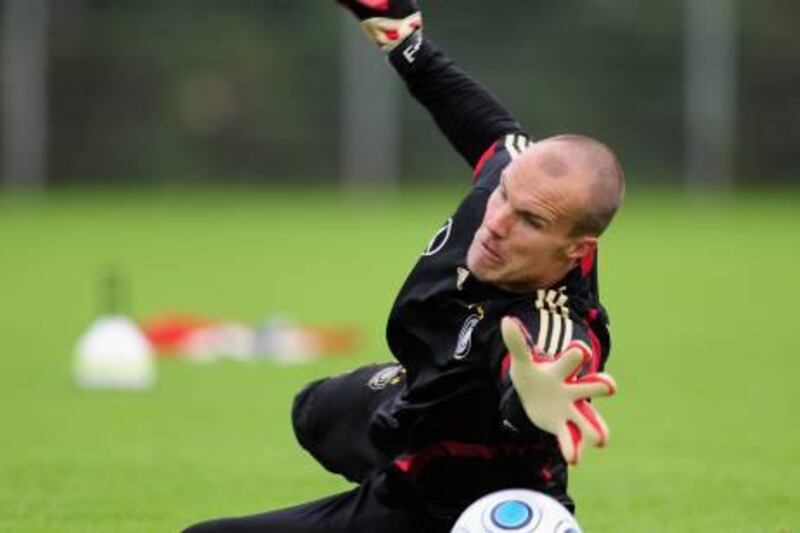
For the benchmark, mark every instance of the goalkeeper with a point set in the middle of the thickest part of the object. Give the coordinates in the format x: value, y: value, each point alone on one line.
x: 498, y: 332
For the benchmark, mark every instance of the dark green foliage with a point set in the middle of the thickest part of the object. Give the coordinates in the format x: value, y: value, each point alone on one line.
x: 247, y: 89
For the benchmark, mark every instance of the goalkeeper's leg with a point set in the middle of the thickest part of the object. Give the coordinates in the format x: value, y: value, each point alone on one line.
x: 332, y: 417
x: 370, y: 507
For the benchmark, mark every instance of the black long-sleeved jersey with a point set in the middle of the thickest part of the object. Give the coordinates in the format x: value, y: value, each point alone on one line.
x: 458, y: 428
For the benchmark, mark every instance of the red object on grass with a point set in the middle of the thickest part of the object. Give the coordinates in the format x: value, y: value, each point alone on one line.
x: 167, y: 333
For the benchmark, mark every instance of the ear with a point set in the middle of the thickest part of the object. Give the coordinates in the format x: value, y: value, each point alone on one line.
x: 581, y: 246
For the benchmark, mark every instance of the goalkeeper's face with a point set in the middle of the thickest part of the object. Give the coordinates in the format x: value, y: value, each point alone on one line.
x: 526, y: 240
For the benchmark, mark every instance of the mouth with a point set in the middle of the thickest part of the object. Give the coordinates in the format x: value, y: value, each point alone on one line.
x: 491, y: 252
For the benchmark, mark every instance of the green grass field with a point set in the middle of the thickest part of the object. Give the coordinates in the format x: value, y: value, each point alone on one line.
x: 703, y: 297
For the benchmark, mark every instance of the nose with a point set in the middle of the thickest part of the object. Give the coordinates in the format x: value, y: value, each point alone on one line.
x: 498, y: 220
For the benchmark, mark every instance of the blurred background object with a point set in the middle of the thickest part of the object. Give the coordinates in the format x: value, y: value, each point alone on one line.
x: 113, y: 354
x: 245, y: 90
x: 275, y: 338
x: 25, y: 59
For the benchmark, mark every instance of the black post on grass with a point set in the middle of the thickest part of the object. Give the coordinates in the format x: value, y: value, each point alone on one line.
x: 113, y: 292
x: 370, y: 117
x: 24, y: 106
x: 711, y: 88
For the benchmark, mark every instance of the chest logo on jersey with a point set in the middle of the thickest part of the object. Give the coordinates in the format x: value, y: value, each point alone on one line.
x: 440, y: 239
x: 464, y: 344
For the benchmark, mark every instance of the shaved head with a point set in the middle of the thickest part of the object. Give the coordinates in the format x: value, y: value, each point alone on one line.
x: 550, y: 205
x: 593, y: 169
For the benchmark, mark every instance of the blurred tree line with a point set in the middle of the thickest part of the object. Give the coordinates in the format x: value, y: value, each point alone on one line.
x: 250, y: 89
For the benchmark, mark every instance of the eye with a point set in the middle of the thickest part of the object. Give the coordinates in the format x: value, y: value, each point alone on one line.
x: 531, y: 221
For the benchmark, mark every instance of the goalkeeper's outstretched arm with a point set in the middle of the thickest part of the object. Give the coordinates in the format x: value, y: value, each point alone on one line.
x: 468, y: 115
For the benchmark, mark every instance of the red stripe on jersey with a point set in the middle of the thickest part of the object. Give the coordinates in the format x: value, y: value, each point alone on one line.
x: 587, y: 263
x: 404, y: 464
x: 505, y: 366
x: 595, y: 349
x: 379, y: 5
x: 417, y: 461
x: 413, y: 463
x: 487, y: 155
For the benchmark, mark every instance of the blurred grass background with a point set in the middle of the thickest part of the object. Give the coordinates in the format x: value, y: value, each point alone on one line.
x: 701, y: 293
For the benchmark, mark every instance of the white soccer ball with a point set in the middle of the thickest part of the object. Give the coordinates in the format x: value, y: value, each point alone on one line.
x: 516, y: 511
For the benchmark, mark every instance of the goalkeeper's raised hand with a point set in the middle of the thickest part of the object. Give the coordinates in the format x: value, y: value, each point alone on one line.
x: 386, y: 22
x: 554, y: 399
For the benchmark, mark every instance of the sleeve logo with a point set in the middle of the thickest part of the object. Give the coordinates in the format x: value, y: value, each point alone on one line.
x: 555, y: 325
x: 516, y: 144
x: 391, y: 375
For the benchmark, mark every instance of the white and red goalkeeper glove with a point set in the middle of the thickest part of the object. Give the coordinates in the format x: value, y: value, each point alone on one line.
x: 554, y: 399
x: 386, y: 22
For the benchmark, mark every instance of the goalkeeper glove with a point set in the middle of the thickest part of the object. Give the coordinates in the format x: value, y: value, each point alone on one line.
x: 386, y: 22
x: 554, y: 399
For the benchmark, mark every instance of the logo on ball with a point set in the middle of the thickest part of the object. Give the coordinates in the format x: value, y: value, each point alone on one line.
x: 516, y: 511
x: 512, y: 514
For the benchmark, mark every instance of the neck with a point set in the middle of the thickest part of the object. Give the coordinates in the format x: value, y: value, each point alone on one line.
x: 545, y: 282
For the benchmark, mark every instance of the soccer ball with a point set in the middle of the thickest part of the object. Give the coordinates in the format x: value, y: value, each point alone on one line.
x: 516, y: 510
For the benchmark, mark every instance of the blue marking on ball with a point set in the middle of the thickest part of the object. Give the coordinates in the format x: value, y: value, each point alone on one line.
x: 512, y: 515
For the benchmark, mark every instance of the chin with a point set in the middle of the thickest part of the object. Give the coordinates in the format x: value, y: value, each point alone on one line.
x: 474, y: 266
x: 481, y: 274
x: 478, y: 274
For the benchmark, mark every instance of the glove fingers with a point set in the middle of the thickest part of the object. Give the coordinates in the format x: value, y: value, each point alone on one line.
x: 593, y: 386
x: 569, y: 442
x: 388, y: 33
x: 570, y: 361
x: 590, y: 423
x: 514, y: 338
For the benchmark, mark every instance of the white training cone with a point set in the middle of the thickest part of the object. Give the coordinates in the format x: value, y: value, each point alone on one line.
x: 114, y: 354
